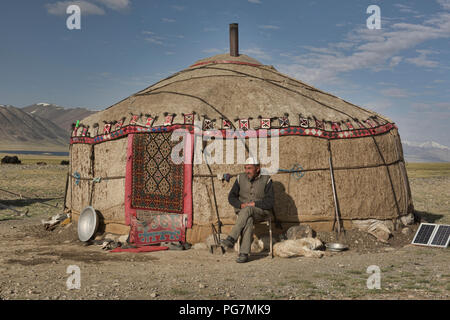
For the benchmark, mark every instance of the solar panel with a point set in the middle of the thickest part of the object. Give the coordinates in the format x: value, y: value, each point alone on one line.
x: 423, y: 234
x: 430, y: 234
x: 441, y: 237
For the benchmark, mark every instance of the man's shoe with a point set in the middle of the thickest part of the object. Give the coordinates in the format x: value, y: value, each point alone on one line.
x: 228, y: 242
x: 243, y: 258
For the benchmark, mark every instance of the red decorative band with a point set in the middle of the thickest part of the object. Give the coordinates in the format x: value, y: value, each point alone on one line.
x: 230, y: 134
x: 225, y: 61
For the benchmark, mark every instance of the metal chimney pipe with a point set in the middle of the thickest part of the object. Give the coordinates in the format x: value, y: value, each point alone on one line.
x: 234, y: 40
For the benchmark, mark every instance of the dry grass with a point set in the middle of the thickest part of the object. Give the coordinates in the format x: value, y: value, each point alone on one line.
x: 430, y: 188
x: 39, y: 183
x: 412, y: 271
x: 428, y: 170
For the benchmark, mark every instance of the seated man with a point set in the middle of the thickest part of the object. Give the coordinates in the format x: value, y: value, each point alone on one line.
x: 252, y: 198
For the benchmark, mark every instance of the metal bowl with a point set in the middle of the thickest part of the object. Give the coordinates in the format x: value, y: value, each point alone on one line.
x: 336, y: 247
x: 87, y: 224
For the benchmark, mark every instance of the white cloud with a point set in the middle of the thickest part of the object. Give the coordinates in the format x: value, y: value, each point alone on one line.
x: 155, y: 40
x: 255, y: 1
x: 212, y: 50
x: 445, y: 4
x: 59, y: 8
x: 436, y: 123
x: 116, y: 4
x: 422, y: 61
x: 168, y: 20
x: 366, y: 49
x: 257, y: 53
x: 178, y: 8
x: 87, y: 7
x: 396, y: 93
x: 395, y: 61
x: 443, y: 105
x: 269, y: 26
x: 210, y: 29
x: 405, y: 8
x: 378, y: 105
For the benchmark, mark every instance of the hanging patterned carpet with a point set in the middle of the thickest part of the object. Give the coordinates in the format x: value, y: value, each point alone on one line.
x: 157, y: 181
x: 158, y: 200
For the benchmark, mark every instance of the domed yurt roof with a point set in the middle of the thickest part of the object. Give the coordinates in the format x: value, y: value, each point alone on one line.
x: 236, y: 87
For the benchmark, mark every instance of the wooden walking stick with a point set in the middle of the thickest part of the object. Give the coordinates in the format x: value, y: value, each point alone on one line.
x: 337, y: 215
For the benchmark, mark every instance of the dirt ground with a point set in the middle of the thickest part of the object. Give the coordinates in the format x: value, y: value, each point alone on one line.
x: 34, y: 262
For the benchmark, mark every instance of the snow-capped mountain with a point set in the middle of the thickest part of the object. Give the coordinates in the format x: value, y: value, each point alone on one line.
x: 428, y: 151
x: 24, y: 131
x: 57, y: 114
x: 39, y: 126
x: 427, y: 144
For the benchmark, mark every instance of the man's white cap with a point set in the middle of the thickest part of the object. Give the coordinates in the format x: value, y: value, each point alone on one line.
x: 252, y: 160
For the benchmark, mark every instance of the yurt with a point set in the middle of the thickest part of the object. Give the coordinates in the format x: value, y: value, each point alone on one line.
x: 336, y: 160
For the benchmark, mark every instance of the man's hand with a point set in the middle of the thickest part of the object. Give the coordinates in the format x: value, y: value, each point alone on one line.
x: 247, y: 204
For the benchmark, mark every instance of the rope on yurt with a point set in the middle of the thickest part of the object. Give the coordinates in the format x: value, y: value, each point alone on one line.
x: 308, y: 170
x: 304, y: 85
x: 96, y: 179
x: 191, y: 96
x: 154, y: 84
x: 250, y: 76
x: 309, y: 87
x: 283, y: 87
x: 402, y: 170
x: 167, y: 78
x: 141, y: 92
x: 193, y: 78
x: 389, y: 175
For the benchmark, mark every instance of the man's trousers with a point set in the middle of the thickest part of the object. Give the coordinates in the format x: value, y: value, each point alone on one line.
x: 244, y: 225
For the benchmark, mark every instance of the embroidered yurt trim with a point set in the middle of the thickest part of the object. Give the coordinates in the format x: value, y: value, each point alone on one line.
x: 289, y: 131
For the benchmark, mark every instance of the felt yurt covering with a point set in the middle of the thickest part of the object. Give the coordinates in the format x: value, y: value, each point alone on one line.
x: 367, y: 157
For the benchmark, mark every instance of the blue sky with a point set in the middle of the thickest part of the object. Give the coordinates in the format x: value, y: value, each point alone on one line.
x: 401, y: 70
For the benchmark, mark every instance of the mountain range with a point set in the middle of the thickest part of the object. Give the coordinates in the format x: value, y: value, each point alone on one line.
x: 58, y: 115
x: 429, y: 151
x: 38, y: 127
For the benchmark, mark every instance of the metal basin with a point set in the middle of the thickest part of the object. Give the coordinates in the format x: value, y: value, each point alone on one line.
x: 87, y: 224
x: 336, y: 247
